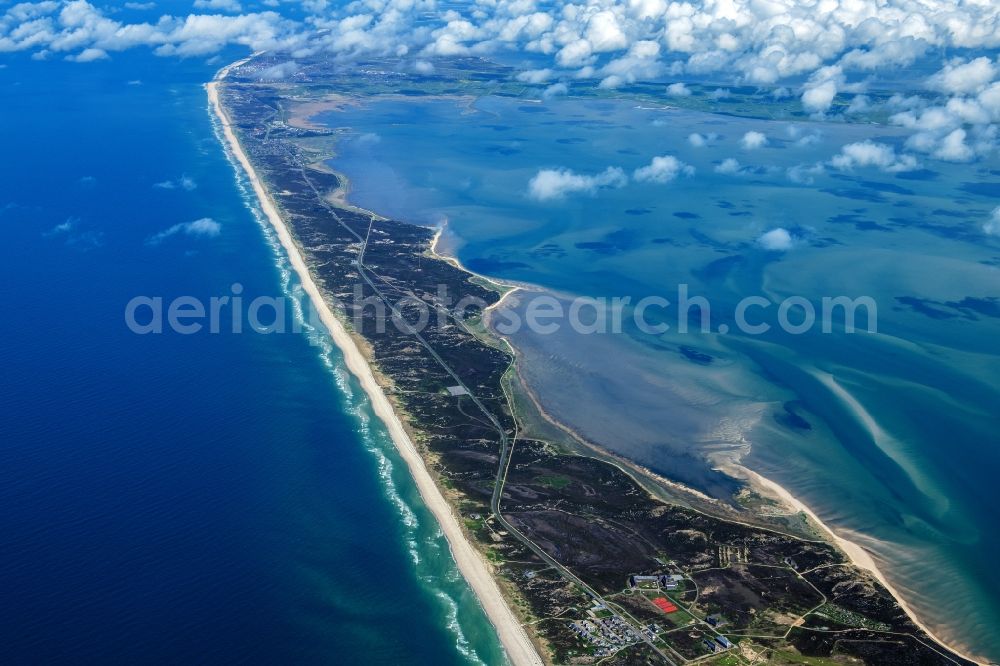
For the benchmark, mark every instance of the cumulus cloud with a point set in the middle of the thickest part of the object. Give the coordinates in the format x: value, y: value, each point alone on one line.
x: 662, y: 169
x: 820, y: 96
x: 953, y: 148
x: 753, y: 140
x: 819, y: 50
x: 992, y: 227
x: 805, y: 174
x: 872, y: 154
x: 423, y: 67
x: 776, y: 240
x: 698, y: 140
x: 640, y: 62
x: 821, y: 89
x: 604, y: 33
x: 204, y: 227
x: 89, y: 55
x: 728, y: 166
x: 808, y: 139
x: 279, y: 72
x: 555, y: 90
x: 859, y: 104
x: 85, y: 33
x: 535, y: 75
x: 678, y: 90
x: 963, y: 77
x: 549, y: 184
x: 575, y: 54
x: 962, y: 126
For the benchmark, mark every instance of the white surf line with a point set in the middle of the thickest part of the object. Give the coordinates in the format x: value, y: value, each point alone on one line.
x: 473, y: 567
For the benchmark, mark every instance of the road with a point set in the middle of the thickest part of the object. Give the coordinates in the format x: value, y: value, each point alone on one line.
x: 506, y: 442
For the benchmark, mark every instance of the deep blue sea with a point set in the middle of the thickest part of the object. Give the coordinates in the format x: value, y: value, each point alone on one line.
x: 205, y: 498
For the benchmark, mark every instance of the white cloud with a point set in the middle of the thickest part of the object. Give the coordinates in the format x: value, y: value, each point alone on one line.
x: 640, y: 62
x: 80, y: 29
x: 62, y: 228
x: 728, y: 166
x: 821, y: 89
x: 89, y: 55
x: 423, y: 67
x: 549, y: 184
x: 185, y: 182
x: 71, y: 233
x: 963, y: 77
x: 575, y: 54
x: 805, y: 174
x: 859, y: 104
x: 809, y: 139
x: 605, y: 34
x: 753, y: 140
x: 555, y: 90
x: 872, y: 154
x: 992, y: 227
x: 776, y: 240
x: 535, y: 76
x: 678, y: 90
x: 662, y: 169
x: 204, y: 227
x: 219, y: 5
x: 820, y: 96
x: 835, y: 47
x: 953, y: 148
x: 700, y: 140
x: 279, y: 72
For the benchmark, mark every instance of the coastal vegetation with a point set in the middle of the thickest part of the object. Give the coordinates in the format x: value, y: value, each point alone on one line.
x: 566, y: 529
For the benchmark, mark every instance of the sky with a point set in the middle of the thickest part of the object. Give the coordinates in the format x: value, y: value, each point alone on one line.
x: 812, y: 51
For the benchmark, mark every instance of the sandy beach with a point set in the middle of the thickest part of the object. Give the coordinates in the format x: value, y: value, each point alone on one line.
x: 473, y: 567
x: 857, y: 555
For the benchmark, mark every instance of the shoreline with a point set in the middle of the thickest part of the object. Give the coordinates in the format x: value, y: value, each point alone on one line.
x: 856, y: 554
x: 513, y: 637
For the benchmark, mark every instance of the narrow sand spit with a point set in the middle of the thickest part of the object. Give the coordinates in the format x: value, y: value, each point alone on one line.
x: 475, y: 570
x: 515, y: 640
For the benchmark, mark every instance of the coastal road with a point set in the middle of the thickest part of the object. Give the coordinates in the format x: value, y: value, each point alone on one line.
x: 506, y: 442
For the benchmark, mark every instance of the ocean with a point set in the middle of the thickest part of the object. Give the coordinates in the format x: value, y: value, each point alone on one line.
x: 202, y: 498
x: 890, y: 436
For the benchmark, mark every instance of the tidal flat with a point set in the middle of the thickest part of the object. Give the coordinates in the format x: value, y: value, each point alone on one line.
x: 888, y: 436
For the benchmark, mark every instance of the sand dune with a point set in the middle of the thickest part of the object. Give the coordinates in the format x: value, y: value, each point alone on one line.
x: 473, y: 567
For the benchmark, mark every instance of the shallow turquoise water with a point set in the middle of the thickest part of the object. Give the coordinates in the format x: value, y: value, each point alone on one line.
x: 899, y: 447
